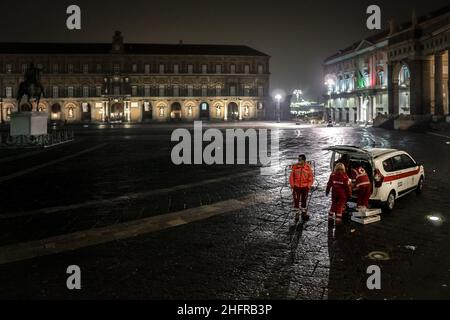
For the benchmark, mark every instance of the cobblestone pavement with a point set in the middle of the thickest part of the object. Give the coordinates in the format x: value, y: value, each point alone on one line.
x: 207, y: 232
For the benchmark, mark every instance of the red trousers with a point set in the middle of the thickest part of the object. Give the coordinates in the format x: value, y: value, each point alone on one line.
x: 364, y: 193
x: 300, y: 194
x: 339, y: 200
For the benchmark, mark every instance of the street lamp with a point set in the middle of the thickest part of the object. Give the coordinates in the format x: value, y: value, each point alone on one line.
x: 278, y: 98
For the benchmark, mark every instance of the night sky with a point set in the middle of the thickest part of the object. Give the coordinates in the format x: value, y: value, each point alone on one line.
x: 298, y: 35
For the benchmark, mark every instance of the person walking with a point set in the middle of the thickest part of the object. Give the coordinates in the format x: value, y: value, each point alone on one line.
x: 340, y: 186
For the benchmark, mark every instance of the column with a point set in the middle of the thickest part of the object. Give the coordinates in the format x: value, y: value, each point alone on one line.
x: 438, y: 84
x: 104, y: 111
x: 393, y: 91
x: 226, y: 112
x: 447, y: 88
x: 359, y: 109
x: 416, y: 88
x: 240, y: 111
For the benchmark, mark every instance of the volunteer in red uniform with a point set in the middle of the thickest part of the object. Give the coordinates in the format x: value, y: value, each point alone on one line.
x: 301, y: 181
x: 362, y: 186
x: 340, y: 185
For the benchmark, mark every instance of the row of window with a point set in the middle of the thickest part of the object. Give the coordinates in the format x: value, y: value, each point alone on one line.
x: 147, y: 91
x: 361, y: 80
x: 147, y: 68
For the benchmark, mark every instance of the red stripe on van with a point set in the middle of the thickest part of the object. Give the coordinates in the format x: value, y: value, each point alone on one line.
x: 401, y: 176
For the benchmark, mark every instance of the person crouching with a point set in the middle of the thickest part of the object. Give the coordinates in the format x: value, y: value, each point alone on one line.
x: 340, y: 185
x: 301, y: 181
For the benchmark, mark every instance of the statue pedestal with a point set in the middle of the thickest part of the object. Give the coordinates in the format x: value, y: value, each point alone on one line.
x: 28, y: 124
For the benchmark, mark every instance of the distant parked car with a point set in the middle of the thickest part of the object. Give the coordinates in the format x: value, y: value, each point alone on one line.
x: 393, y: 173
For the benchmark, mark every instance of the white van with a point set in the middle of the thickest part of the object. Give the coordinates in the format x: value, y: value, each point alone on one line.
x: 393, y: 173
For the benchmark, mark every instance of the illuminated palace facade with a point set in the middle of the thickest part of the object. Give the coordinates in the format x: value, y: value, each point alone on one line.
x: 119, y: 82
x: 400, y: 74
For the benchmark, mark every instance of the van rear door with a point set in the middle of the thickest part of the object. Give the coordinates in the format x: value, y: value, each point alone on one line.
x: 354, y: 152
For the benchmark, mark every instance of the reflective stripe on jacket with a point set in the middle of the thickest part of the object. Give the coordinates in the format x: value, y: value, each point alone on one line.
x: 301, y: 176
x: 359, y: 177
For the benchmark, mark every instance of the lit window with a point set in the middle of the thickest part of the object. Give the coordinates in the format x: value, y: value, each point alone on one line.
x: 147, y: 106
x: 260, y: 91
x: 8, y: 92
x: 85, y: 91
x: 232, y: 91
x: 70, y: 92
x: 260, y: 69
x: 55, y: 92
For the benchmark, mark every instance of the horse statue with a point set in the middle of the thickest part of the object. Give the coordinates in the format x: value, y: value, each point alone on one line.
x: 31, y: 87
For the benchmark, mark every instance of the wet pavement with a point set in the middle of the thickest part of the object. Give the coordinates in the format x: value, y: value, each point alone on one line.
x: 138, y: 226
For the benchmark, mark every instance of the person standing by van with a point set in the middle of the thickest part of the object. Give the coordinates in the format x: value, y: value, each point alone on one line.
x: 340, y: 186
x: 362, y: 186
x: 301, y: 181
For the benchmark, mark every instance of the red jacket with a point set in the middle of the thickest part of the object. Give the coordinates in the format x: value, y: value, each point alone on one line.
x: 301, y: 176
x: 340, y: 183
x: 359, y: 177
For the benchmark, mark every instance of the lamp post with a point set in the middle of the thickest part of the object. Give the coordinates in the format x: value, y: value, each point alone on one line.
x: 278, y: 99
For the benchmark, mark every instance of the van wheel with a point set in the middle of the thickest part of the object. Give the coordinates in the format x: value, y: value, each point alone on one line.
x: 390, y: 203
x: 419, y: 189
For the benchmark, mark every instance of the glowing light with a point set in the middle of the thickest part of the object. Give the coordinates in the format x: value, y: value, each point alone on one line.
x: 434, y: 218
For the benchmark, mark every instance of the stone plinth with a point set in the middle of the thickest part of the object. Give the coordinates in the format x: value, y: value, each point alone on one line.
x: 28, y: 124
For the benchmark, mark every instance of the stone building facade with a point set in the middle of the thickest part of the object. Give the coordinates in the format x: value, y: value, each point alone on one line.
x: 136, y: 83
x: 400, y: 74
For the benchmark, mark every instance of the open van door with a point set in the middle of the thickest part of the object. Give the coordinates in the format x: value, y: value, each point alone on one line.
x: 354, y: 152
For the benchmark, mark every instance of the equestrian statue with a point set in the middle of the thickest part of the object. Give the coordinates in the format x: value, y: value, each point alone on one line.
x: 31, y: 87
